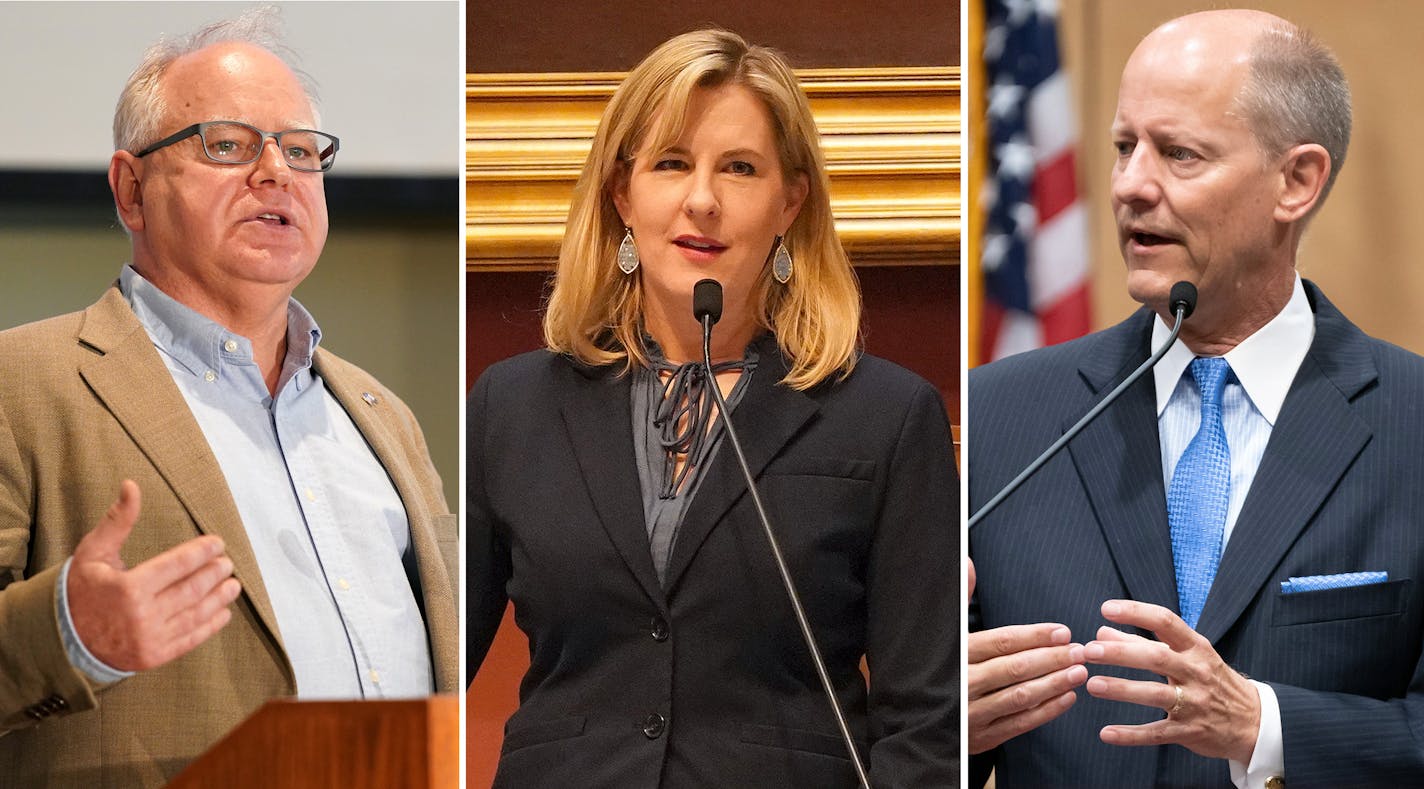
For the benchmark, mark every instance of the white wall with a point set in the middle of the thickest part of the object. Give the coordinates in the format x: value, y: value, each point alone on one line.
x: 389, y: 77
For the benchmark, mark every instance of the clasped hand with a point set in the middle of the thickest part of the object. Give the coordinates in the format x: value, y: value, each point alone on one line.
x: 1213, y: 710
x: 1020, y: 677
x: 140, y: 618
x: 1023, y: 676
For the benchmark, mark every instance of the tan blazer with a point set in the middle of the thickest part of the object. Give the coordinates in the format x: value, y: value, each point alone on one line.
x: 85, y: 401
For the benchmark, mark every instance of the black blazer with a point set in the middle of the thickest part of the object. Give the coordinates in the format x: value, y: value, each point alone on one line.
x: 1339, y: 489
x: 707, y: 683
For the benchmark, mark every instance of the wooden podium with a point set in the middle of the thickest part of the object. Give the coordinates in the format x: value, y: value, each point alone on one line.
x: 291, y: 744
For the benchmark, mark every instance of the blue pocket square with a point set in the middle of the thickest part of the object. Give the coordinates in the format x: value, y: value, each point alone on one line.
x: 1315, y: 583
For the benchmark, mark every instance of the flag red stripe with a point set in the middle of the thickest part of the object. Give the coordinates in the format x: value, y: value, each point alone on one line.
x: 1055, y: 186
x: 1068, y: 317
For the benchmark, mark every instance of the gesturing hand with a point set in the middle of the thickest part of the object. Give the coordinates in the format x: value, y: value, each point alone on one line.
x: 1211, y: 709
x: 1020, y: 677
x: 140, y: 618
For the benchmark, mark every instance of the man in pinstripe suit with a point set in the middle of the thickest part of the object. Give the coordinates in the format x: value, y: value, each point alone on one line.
x: 1230, y: 129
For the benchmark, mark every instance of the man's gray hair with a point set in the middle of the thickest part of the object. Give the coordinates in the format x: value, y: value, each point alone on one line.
x: 141, y: 105
x: 1296, y: 93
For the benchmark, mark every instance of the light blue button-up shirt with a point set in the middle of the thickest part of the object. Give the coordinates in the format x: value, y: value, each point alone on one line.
x: 327, y: 527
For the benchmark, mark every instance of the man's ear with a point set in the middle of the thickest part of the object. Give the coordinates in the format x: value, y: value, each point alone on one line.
x: 1304, y: 173
x: 128, y: 190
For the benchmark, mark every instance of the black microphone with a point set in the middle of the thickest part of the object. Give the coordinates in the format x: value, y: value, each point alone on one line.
x: 1182, y: 301
x: 1182, y: 298
x: 707, y: 300
x: 707, y: 307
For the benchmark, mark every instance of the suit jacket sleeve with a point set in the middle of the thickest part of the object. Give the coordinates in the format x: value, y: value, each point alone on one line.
x: 36, y: 678
x: 981, y: 765
x: 913, y: 607
x: 1339, y: 739
x: 487, y: 567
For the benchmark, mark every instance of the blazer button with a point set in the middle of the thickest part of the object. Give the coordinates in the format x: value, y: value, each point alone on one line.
x: 1275, y: 782
x: 654, y: 725
x: 659, y: 630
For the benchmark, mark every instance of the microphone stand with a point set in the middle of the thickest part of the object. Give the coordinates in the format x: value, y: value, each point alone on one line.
x: 1182, y: 307
x: 805, y: 624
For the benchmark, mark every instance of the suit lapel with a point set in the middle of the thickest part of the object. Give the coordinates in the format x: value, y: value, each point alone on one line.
x: 1119, y: 462
x: 1314, y: 442
x: 131, y: 380
x: 768, y: 416
x: 598, y: 419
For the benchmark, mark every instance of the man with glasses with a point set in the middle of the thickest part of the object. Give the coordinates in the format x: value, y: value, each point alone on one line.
x: 279, y: 529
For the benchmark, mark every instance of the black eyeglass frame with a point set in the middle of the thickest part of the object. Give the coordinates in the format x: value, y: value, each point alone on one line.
x: 200, y: 130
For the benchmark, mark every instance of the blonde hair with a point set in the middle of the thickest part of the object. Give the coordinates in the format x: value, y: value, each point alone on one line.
x: 594, y: 312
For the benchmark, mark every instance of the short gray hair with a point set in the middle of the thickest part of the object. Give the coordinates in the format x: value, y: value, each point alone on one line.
x: 141, y: 105
x: 1296, y: 93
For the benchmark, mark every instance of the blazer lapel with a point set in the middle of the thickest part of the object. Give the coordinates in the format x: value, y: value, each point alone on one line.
x: 1314, y: 442
x: 131, y: 380
x: 768, y: 416
x: 1119, y: 461
x: 598, y: 418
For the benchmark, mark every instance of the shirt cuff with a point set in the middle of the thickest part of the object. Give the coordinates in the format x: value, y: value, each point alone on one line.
x: 1268, y: 759
x: 79, y: 656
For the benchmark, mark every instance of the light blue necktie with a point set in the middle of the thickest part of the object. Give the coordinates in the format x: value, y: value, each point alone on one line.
x: 1200, y: 493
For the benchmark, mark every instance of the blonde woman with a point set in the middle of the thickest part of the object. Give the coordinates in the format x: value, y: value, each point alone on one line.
x: 605, y: 504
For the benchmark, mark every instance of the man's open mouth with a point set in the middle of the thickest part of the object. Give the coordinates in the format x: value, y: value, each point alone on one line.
x: 1149, y: 239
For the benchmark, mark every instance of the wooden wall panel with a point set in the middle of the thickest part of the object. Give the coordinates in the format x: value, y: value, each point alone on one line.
x: 577, y: 35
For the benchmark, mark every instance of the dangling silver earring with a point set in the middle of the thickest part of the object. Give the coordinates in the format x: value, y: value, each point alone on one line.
x: 781, y: 263
x: 628, y: 253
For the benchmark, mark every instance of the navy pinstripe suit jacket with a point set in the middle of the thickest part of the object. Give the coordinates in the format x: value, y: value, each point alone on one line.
x: 1340, y: 489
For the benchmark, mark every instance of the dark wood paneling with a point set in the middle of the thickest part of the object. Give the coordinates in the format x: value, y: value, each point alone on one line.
x: 912, y: 319
x: 502, y: 317
x: 577, y: 35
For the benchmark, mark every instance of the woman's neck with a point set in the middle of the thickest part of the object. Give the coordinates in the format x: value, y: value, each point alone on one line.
x: 682, y: 342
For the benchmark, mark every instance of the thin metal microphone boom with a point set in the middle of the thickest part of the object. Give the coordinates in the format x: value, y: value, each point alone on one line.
x: 1183, y: 300
x: 707, y: 306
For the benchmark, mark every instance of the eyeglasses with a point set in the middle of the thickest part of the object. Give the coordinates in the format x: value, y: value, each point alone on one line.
x: 231, y: 142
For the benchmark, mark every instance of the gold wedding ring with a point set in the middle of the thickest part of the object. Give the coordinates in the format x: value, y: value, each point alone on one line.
x: 1176, y: 708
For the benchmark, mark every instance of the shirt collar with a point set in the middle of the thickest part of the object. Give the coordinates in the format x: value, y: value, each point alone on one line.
x: 200, y: 344
x: 1265, y: 363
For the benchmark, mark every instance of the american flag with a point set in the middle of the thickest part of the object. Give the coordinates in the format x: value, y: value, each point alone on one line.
x: 1034, y: 252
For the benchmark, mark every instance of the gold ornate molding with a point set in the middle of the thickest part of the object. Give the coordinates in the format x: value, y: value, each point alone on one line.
x: 892, y: 139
